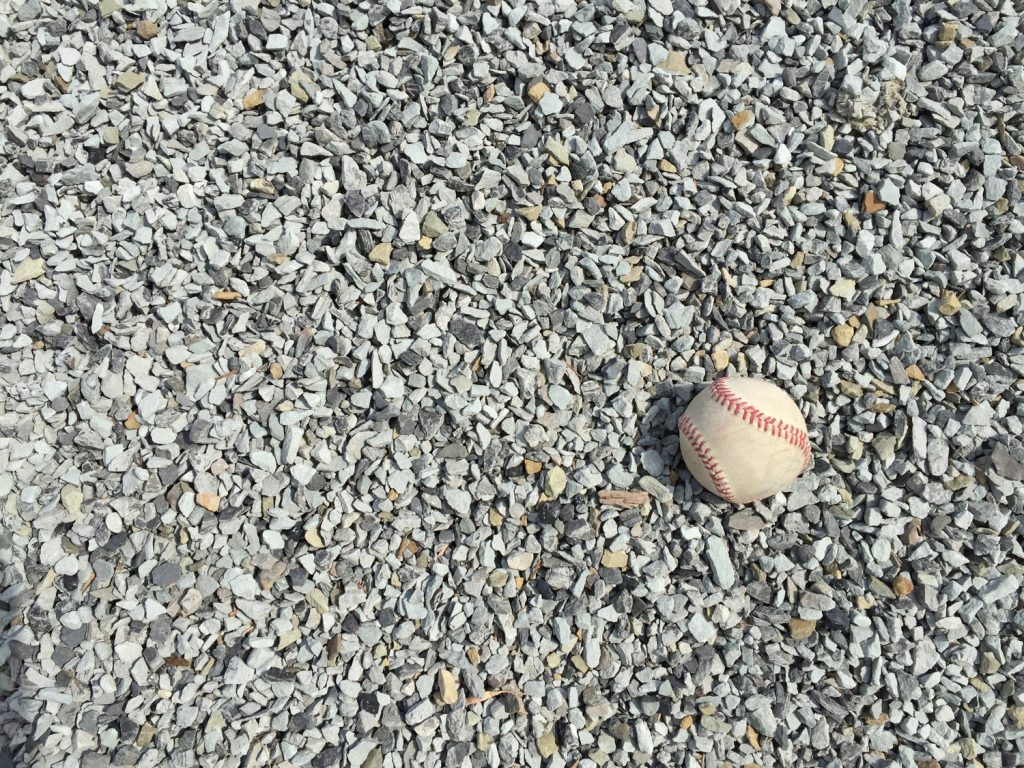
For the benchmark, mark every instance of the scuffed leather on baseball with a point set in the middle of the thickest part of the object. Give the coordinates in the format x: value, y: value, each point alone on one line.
x: 744, y: 439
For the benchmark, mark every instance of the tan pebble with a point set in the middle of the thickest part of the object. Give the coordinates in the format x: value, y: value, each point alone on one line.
x: 132, y: 422
x: 720, y: 359
x: 537, y: 91
x: 313, y: 539
x: 915, y: 373
x: 317, y: 599
x: 146, y: 29
x: 27, y: 269
x: 381, y: 254
x: 675, y: 62
x: 532, y: 467
x: 801, y: 629
x: 254, y: 98
x: 902, y: 585
x: 546, y: 744
x: 447, y: 687
x: 129, y: 81
x: 226, y: 295
x: 263, y: 186
x: 554, y: 482
x: 532, y: 212
x: 843, y: 335
x: 210, y: 501
x: 276, y: 370
x: 753, y: 738
x: 615, y: 559
x: 949, y: 304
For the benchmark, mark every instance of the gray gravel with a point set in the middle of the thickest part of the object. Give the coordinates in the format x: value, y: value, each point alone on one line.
x: 341, y: 347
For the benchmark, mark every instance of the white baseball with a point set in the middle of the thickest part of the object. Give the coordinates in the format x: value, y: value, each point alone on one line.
x: 744, y: 439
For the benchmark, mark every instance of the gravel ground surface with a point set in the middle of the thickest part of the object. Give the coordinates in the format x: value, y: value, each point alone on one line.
x: 341, y: 348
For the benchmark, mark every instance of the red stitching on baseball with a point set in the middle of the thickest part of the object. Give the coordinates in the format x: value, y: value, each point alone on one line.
x: 792, y: 434
x: 707, y: 458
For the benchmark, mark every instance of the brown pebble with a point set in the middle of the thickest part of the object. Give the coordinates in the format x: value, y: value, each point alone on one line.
x: 742, y: 119
x: 872, y: 204
x: 902, y: 585
x: 146, y: 29
x: 132, y: 422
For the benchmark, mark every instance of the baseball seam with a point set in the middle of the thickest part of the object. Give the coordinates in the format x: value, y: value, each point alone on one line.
x: 792, y: 434
x: 693, y: 436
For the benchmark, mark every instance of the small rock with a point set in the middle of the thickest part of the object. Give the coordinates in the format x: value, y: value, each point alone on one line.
x: 703, y: 631
x: 557, y: 151
x: 447, y: 687
x: 888, y: 193
x: 419, y: 712
x: 254, y: 98
x: 165, y: 574
x: 949, y: 304
x: 433, y: 226
x: 801, y: 629
x: 615, y: 559
x: 554, y: 482
x: 742, y: 119
x: 547, y: 745
x: 381, y: 254
x: 520, y: 561
x: 998, y: 588
x: 210, y: 501
x: 550, y: 104
x: 935, y: 200
x: 129, y: 81
x: 71, y: 497
x: 146, y: 29
x: 717, y: 554
x: 27, y: 269
x: 902, y: 585
x: 872, y: 204
x: 317, y: 599
x: 843, y: 288
x: 675, y: 62
x: 537, y: 91
x: 1005, y: 464
x: 843, y: 335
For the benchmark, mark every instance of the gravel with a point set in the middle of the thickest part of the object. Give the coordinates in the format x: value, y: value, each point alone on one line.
x: 342, y: 345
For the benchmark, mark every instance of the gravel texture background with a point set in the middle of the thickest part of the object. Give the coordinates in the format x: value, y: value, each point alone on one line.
x: 341, y: 348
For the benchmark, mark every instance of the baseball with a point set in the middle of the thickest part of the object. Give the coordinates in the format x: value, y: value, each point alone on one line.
x: 744, y: 439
